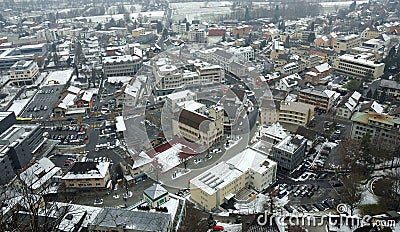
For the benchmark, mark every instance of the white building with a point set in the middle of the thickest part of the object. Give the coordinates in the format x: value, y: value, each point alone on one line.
x: 358, y: 66
x: 129, y: 94
x: 348, y: 105
x: 221, y: 182
x: 38, y: 177
x: 23, y: 73
x: 121, y: 65
x: 246, y: 52
x: 169, y: 76
x: 289, y: 83
x: 182, y: 96
x: 179, y: 28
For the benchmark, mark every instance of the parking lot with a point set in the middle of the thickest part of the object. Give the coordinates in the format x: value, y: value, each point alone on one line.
x: 68, y: 134
x: 41, y: 105
x: 311, y: 192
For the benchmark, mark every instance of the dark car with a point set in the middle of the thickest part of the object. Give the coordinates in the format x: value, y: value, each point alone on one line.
x: 319, y: 207
x: 310, y: 194
x: 288, y: 208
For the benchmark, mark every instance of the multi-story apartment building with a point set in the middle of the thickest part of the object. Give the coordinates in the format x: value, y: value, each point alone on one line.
x: 121, y: 65
x: 297, y: 113
x: 246, y: 52
x: 197, y: 35
x: 209, y: 73
x: 344, y: 43
x: 383, y: 129
x: 389, y: 90
x: 323, y: 100
x: 356, y: 65
x: 178, y: 28
x: 23, y: 73
x: 170, y: 77
x: 250, y: 168
x: 87, y: 175
x: 277, y: 49
x: 23, y: 141
x: 289, y: 152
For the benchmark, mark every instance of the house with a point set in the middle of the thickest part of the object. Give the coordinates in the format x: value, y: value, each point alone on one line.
x: 348, y: 105
x: 289, y: 83
x: 389, y: 90
x: 325, y: 40
x: 129, y: 94
x: 171, y: 100
x: 88, y: 175
x: 155, y: 195
x: 371, y: 107
x: 122, y: 220
x: 74, y: 101
x: 39, y: 177
x: 136, y: 167
x: 315, y: 74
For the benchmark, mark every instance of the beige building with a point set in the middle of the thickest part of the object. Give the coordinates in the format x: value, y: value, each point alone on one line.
x: 323, y: 100
x: 383, y: 129
x: 268, y: 111
x: 358, y: 66
x: 138, y: 31
x: 23, y: 73
x: 88, y: 175
x: 170, y: 76
x: 298, y: 113
x: 199, y: 128
x: 344, y: 43
x: 220, y: 183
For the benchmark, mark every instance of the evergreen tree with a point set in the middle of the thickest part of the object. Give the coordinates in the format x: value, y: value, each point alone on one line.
x: 311, y: 38
x: 247, y: 14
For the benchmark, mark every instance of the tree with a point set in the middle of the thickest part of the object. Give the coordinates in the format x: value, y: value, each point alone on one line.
x: 352, y: 6
x: 353, y: 85
x: 287, y: 42
x: 247, y: 14
x: 159, y: 27
x: 312, y: 26
x: 311, y: 37
x: 369, y: 93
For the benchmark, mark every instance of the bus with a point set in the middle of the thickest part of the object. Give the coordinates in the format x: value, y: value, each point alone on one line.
x: 24, y: 120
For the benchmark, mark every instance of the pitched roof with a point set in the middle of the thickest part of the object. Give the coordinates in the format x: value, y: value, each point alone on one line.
x: 192, y: 119
x: 155, y: 192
